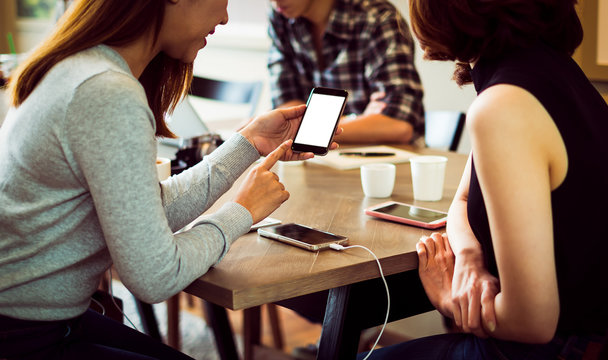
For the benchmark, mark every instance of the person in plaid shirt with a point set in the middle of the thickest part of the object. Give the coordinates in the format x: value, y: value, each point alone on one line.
x: 362, y: 46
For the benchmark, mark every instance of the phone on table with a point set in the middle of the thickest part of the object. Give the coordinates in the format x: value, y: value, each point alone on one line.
x: 320, y: 120
x: 409, y: 214
x: 302, y: 236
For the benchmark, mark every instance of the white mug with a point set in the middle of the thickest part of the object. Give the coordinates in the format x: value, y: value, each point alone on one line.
x: 428, y: 174
x: 378, y: 180
x: 163, y: 168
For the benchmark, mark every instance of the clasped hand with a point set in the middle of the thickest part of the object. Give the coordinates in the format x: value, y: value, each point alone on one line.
x: 459, y: 288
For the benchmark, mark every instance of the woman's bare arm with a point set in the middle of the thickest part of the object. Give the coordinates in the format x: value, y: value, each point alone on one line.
x: 519, y: 158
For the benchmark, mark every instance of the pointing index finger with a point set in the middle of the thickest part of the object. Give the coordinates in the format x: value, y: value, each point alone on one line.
x: 275, y: 155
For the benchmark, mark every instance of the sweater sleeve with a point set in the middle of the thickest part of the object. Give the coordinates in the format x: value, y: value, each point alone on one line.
x: 110, y: 132
x: 193, y: 191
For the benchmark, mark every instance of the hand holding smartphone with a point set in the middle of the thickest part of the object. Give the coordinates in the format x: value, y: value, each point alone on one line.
x: 409, y: 214
x: 320, y: 120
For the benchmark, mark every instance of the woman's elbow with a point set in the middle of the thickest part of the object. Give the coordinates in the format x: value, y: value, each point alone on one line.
x: 150, y: 295
x: 534, y: 330
x: 540, y: 335
x: 152, y: 289
x: 528, y: 321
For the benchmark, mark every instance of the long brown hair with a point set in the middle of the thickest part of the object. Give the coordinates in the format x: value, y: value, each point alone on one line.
x: 88, y: 23
x: 465, y: 30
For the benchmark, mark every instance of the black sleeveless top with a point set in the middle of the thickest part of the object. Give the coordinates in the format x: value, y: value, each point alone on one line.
x: 580, y: 203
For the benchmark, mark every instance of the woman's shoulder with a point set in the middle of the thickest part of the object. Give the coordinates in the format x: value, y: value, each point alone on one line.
x: 105, y: 86
x: 93, y: 60
x: 95, y: 65
x: 511, y: 118
x: 505, y: 112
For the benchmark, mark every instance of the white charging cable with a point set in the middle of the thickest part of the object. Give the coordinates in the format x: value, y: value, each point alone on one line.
x: 103, y: 309
x: 116, y: 305
x: 388, y: 295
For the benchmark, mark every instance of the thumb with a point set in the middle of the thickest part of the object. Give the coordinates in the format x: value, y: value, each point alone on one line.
x: 293, y: 112
x: 488, y: 312
x: 275, y: 155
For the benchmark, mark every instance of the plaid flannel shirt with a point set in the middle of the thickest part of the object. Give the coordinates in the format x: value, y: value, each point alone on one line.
x: 367, y: 47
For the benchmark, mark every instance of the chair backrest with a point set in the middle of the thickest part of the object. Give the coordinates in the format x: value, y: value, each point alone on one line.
x: 236, y: 92
x: 443, y: 129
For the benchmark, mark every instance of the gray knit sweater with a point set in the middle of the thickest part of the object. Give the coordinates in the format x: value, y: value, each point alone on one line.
x: 79, y: 191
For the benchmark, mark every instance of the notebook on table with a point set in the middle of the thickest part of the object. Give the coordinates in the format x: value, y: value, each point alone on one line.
x: 346, y: 162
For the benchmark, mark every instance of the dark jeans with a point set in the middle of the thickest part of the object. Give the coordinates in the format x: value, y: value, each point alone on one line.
x: 90, y: 336
x: 469, y: 347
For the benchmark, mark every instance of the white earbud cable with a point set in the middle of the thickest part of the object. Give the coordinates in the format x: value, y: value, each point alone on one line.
x: 388, y: 295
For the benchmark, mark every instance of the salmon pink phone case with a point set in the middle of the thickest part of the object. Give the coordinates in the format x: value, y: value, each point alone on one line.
x: 408, y: 214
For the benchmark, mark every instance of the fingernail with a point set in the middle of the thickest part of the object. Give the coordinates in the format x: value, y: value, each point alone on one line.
x: 491, y: 326
x: 422, y: 238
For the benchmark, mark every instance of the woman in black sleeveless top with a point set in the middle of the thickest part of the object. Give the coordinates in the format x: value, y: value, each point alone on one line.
x: 523, y: 268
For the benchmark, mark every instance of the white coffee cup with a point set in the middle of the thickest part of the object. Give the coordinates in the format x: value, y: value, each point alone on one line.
x: 163, y: 168
x: 8, y: 62
x: 428, y: 174
x: 378, y: 180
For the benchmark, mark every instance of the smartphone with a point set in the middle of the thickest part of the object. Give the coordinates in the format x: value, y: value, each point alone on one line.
x: 265, y: 222
x: 302, y: 236
x: 409, y: 214
x: 323, y: 110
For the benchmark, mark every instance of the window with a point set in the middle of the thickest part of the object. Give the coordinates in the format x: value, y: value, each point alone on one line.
x: 35, y: 19
x: 39, y: 9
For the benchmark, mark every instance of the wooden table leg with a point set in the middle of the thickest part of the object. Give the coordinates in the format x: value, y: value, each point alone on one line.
x: 251, y: 331
x: 222, y: 331
x: 339, y: 338
x: 353, y: 308
x: 275, y: 326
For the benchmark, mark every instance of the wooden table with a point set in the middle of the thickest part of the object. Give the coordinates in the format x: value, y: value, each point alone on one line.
x: 258, y: 270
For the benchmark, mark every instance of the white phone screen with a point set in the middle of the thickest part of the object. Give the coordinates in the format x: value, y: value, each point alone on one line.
x: 320, y: 120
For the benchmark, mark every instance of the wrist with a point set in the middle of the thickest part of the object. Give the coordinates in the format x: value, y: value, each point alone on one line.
x: 247, y: 135
x: 469, y: 255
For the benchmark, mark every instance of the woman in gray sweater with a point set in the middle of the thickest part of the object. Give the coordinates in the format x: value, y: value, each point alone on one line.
x: 78, y: 184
